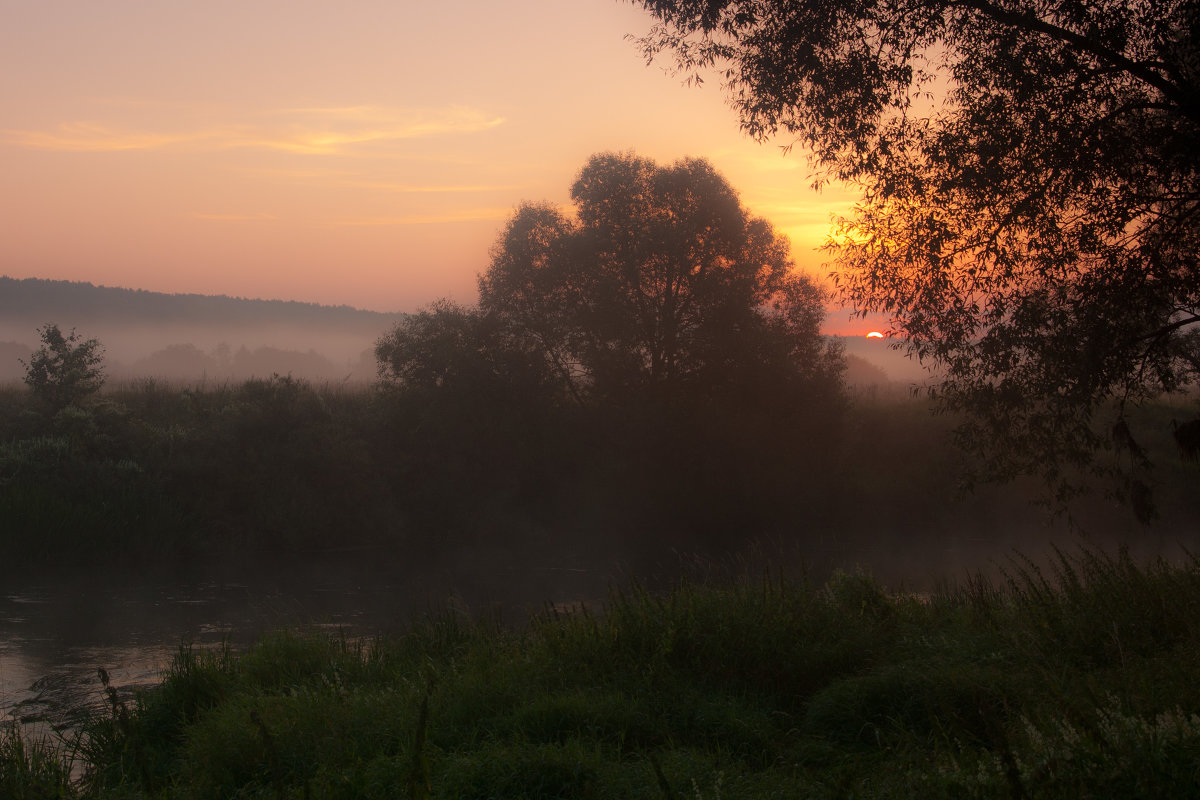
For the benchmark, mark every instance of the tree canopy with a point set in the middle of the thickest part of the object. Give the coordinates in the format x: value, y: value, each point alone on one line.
x: 661, y: 285
x: 1030, y: 208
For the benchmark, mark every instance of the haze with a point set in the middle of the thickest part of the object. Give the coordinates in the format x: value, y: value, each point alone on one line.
x: 362, y: 155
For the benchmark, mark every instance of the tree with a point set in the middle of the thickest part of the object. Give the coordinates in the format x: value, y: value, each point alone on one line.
x: 661, y: 287
x: 450, y: 348
x: 66, y: 368
x: 649, y: 361
x: 1030, y: 176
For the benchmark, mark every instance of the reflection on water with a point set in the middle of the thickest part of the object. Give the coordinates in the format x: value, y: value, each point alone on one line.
x: 53, y: 638
x: 55, y: 635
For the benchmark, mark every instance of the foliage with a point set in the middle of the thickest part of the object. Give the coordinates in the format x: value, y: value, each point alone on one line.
x: 459, y: 350
x: 663, y: 286
x: 154, y: 476
x: 150, y: 474
x: 1030, y: 192
x: 32, y: 770
x: 653, y: 347
x: 66, y: 369
x: 749, y: 686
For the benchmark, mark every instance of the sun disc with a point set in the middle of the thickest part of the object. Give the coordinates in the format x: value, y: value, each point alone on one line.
x: 874, y: 335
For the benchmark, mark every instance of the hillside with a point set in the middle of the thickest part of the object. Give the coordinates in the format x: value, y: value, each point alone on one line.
x: 137, y: 326
x: 85, y: 303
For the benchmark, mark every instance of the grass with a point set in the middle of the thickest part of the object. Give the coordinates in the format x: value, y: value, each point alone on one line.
x: 1075, y: 679
x: 33, y: 770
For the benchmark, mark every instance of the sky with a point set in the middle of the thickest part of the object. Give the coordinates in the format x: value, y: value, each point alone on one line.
x: 364, y: 153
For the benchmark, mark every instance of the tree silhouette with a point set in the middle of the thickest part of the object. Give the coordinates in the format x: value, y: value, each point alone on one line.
x: 66, y: 368
x: 647, y: 362
x: 1030, y: 216
x: 662, y: 287
x: 457, y: 349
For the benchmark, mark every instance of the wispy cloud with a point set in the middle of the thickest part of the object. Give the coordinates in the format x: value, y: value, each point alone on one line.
x: 92, y: 137
x: 466, y: 215
x: 356, y: 179
x: 307, y: 131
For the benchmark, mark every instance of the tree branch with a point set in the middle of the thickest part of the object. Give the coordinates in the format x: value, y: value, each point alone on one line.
x: 1027, y: 21
x: 1170, y: 328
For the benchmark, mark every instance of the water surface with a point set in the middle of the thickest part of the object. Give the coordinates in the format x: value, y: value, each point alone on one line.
x: 55, y: 635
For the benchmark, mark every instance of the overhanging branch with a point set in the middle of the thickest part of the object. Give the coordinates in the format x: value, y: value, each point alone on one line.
x: 1184, y: 100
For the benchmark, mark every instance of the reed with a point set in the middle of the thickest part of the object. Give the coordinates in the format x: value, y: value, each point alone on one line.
x: 33, y: 769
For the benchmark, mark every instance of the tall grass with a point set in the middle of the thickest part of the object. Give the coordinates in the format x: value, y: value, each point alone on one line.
x: 33, y: 769
x: 1071, y: 679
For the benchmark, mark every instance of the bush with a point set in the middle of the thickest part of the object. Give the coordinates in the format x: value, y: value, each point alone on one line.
x: 66, y: 368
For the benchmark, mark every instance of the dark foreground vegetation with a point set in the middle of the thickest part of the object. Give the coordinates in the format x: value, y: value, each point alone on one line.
x: 1078, y: 681
x: 153, y: 476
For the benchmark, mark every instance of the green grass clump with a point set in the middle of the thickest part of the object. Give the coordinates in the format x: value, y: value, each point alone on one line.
x: 32, y: 770
x: 1073, y: 679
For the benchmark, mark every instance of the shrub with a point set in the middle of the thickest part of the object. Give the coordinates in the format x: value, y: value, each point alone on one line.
x: 66, y: 368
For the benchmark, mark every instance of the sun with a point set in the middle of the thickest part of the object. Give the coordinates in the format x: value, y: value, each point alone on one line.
x: 874, y: 335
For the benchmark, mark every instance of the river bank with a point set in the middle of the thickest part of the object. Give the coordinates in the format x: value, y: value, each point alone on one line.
x: 1072, y: 680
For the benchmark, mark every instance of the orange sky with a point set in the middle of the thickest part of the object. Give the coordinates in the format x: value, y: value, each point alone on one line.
x: 364, y: 153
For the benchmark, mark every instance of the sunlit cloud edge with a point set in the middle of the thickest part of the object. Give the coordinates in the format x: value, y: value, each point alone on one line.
x: 313, y: 139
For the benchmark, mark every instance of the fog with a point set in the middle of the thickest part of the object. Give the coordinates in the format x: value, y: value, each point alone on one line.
x: 196, y: 352
x: 191, y: 352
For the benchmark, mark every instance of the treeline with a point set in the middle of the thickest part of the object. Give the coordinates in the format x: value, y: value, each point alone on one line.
x: 281, y: 466
x: 151, y: 475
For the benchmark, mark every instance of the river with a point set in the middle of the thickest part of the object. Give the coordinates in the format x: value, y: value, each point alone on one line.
x: 56, y: 634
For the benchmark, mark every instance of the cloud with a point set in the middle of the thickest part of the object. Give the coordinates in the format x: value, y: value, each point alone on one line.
x: 91, y: 137
x: 306, y: 131
x: 356, y: 179
x: 466, y: 215
x: 330, y: 130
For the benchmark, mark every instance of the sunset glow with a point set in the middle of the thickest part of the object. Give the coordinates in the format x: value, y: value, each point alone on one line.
x: 309, y: 151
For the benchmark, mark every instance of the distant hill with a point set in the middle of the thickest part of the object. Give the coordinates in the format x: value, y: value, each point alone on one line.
x: 896, y: 364
x: 78, y: 304
x: 185, y: 335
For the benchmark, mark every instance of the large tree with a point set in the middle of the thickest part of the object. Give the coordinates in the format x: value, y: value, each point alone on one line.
x: 661, y: 286
x: 1030, y: 208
